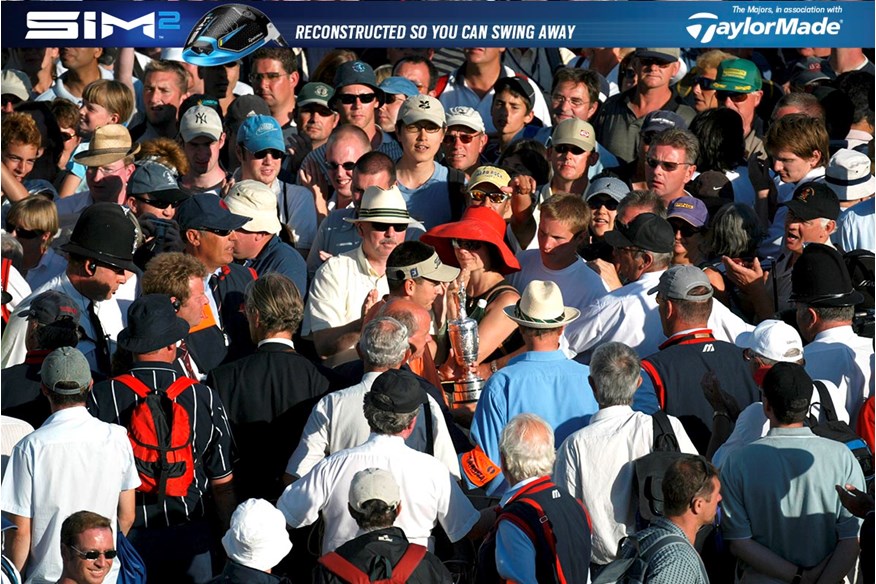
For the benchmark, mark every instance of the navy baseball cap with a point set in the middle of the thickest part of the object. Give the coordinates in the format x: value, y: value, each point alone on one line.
x: 208, y: 212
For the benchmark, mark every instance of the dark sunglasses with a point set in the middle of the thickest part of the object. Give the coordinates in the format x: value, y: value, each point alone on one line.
x: 158, y: 204
x: 94, y: 554
x: 219, y: 232
x: 345, y: 165
x: 705, y: 83
x: 686, y: 229
x: 65, y: 137
x: 731, y: 95
x: 399, y: 227
x: 495, y: 198
x: 651, y: 62
x: 14, y: 100
x: 665, y: 165
x: 275, y: 154
x: 350, y: 98
x: 450, y: 139
x: 24, y: 233
x: 597, y: 202
x: 467, y: 244
x: 566, y: 148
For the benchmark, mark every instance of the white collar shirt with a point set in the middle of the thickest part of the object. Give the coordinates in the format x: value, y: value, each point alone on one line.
x: 840, y: 356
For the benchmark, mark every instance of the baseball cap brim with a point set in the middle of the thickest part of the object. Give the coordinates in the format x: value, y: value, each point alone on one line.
x: 802, y: 210
x: 615, y: 238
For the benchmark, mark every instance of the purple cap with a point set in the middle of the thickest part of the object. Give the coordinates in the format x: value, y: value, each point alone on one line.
x: 690, y: 209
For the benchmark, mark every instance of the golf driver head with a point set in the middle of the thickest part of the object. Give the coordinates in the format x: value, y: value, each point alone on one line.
x: 228, y: 33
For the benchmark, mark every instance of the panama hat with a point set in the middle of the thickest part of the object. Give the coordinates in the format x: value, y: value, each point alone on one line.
x: 541, y: 307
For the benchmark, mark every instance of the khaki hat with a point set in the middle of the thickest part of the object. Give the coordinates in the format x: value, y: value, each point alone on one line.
x: 109, y: 144
x: 383, y: 206
x: 254, y: 199
x: 541, y: 307
x: 576, y: 132
x: 15, y: 82
x: 465, y: 116
x: 200, y: 121
x: 489, y: 174
x: 374, y: 484
x: 422, y: 108
x: 431, y: 268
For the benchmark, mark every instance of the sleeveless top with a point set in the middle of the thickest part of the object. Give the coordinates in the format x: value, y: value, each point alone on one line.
x: 511, y: 343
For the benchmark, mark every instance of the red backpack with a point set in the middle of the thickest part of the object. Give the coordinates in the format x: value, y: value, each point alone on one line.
x: 401, y: 572
x: 160, y: 432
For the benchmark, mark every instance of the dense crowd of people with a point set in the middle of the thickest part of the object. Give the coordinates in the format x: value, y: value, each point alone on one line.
x: 477, y: 315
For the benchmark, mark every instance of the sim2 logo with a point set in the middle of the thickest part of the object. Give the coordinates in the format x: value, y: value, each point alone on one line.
x: 75, y: 25
x: 705, y: 27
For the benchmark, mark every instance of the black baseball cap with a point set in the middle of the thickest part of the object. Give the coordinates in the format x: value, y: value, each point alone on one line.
x: 397, y: 391
x: 647, y: 231
x: 813, y: 200
x: 207, y: 211
x: 788, y: 386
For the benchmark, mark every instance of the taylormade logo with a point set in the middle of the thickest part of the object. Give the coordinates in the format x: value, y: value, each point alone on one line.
x: 705, y: 26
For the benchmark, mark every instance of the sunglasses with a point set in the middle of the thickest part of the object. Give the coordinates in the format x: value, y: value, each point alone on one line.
x: 349, y: 166
x: 24, y: 233
x: 651, y: 62
x: 257, y: 77
x: 65, y: 137
x: 450, y: 139
x: 94, y: 554
x: 608, y: 203
x: 686, y: 229
x: 158, y: 204
x: 496, y: 198
x: 219, y: 232
x: 566, y: 148
x: 350, y: 98
x: 665, y: 165
x: 399, y: 227
x: 705, y: 83
x: 467, y: 244
x: 275, y: 154
x: 731, y: 95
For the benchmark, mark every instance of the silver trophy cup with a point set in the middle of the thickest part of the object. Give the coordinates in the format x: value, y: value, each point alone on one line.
x: 464, y: 340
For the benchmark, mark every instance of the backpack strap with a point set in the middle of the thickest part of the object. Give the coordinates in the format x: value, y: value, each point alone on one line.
x: 4, y: 276
x: 134, y: 384
x: 180, y: 385
x: 441, y: 84
x: 547, y: 529
x: 456, y: 190
x: 405, y: 567
x: 656, y: 381
x: 343, y: 568
x: 825, y: 401
x: 664, y: 435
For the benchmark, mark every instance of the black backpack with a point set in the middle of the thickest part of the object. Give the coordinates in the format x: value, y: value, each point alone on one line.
x: 840, y: 431
x: 649, y: 469
x: 631, y: 565
x: 860, y: 264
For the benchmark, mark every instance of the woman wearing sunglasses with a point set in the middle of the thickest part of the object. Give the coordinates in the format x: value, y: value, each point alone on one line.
x: 688, y: 217
x: 34, y: 222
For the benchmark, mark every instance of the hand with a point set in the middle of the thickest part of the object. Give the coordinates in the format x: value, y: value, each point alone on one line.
x: 522, y: 190
x: 759, y: 173
x: 226, y: 188
x: 607, y: 272
x: 719, y: 400
x: 859, y: 503
x: 324, y: 255
x: 370, y: 301
x: 311, y: 177
x: 744, y: 275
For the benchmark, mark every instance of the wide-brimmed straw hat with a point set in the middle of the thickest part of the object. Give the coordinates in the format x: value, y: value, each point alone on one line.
x: 541, y: 307
x: 108, y: 144
x: 382, y: 206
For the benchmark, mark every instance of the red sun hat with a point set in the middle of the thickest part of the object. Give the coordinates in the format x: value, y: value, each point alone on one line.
x: 476, y: 224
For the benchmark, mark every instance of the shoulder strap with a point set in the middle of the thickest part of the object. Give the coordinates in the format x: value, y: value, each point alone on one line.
x: 441, y: 84
x: 180, y: 385
x: 825, y: 401
x: 664, y: 435
x: 495, y: 292
x: 403, y: 569
x: 656, y: 381
x: 134, y: 384
x: 343, y: 568
x: 660, y: 543
x: 430, y: 427
x: 455, y: 190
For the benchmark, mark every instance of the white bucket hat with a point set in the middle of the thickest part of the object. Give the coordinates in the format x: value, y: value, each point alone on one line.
x: 541, y: 307
x: 257, y: 537
x: 254, y: 199
x: 383, y: 206
x: 848, y: 175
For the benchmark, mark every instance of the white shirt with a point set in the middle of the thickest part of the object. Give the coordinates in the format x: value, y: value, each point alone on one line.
x: 18, y: 288
x: 338, y: 422
x: 11, y: 431
x: 840, y: 356
x: 429, y: 493
x: 595, y: 464
x: 580, y: 285
x: 72, y: 462
x: 339, y: 289
x: 112, y: 320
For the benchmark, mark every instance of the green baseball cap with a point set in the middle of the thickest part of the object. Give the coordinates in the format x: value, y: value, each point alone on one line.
x: 738, y: 76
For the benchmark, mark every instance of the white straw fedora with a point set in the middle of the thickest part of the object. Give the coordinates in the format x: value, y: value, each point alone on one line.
x: 541, y: 307
x: 383, y: 206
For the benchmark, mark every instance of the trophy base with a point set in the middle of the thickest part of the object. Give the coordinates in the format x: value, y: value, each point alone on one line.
x: 466, y: 391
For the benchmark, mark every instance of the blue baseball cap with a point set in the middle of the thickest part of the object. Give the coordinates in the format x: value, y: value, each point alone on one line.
x: 261, y: 132
x: 399, y: 85
x: 207, y: 211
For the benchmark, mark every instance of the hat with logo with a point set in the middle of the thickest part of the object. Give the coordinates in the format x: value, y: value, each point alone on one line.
x: 647, y: 231
x: 66, y: 366
x: 810, y: 70
x: 738, y: 76
x: 773, y: 339
x: 575, y: 132
x: 679, y: 281
x: 50, y: 307
x: 541, y: 307
x: 200, y: 121
x: 421, y: 108
x: 259, y: 133
x: 608, y: 185
x: 399, y: 86
x: 152, y: 324
x: 105, y: 233
x: 667, y: 55
x: 788, y: 387
x: 374, y: 484
x: 820, y: 278
x: 15, y: 82
x: 255, y: 199
x: 315, y: 92
x: 660, y: 120
x: 382, y: 206
x: 713, y: 187
x: 689, y: 209
x: 207, y: 211
x: 468, y: 117
x: 356, y: 73
x: 476, y: 224
x: 488, y: 174
x: 257, y: 537
x: 848, y: 175
x: 156, y: 180
x: 397, y: 391
x: 431, y: 268
x: 243, y: 107
x: 813, y: 200
x: 519, y: 85
x: 109, y: 144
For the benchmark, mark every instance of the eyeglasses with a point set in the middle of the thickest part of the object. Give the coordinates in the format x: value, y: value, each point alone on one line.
x: 705, y: 83
x: 275, y: 154
x: 398, y: 227
x: 666, y: 165
x: 731, y: 95
x: 424, y: 126
x: 67, y: 136
x: 257, y: 77
x: 350, y: 98
x: 94, y: 554
x: 219, y: 232
x: 496, y: 198
x: 559, y: 100
x: 597, y: 202
x: 24, y: 233
x: 467, y: 244
x: 686, y: 229
x: 450, y: 139
x: 567, y: 148
x: 158, y: 204
x: 349, y: 166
